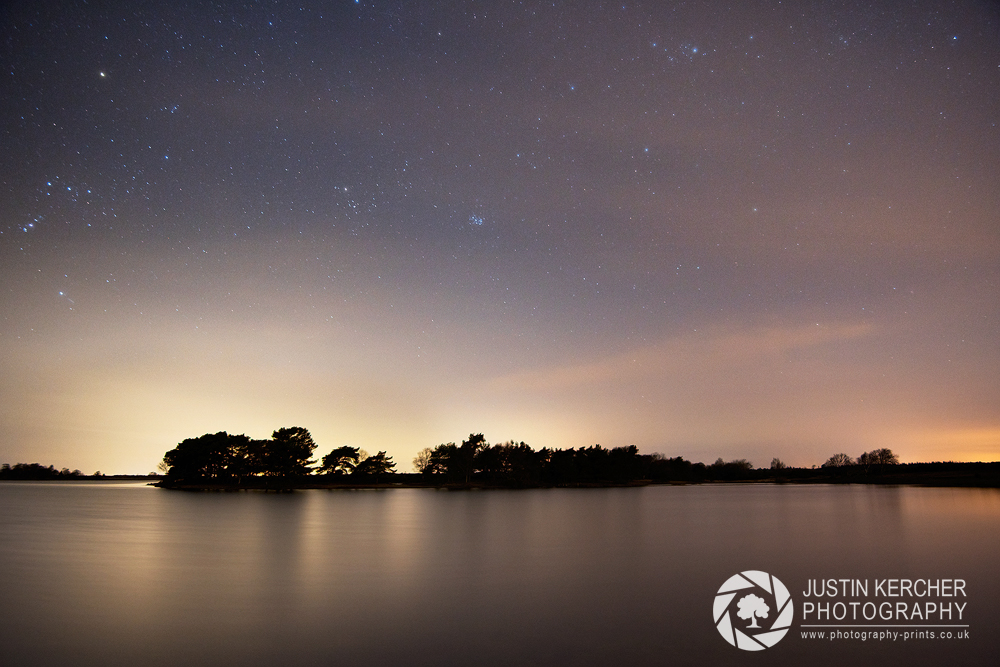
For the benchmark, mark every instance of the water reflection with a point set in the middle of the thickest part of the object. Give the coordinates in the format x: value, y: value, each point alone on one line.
x: 117, y: 574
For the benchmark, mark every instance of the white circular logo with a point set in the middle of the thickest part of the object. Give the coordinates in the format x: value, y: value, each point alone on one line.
x: 753, y: 610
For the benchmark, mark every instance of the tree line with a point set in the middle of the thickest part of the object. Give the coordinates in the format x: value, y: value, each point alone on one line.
x: 518, y: 464
x: 36, y: 471
x: 876, y: 457
x: 227, y: 459
x: 223, y: 458
x: 237, y: 459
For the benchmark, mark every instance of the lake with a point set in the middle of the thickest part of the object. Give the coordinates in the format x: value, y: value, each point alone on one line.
x: 125, y: 574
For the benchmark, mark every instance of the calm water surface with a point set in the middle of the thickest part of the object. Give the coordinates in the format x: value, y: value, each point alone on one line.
x: 124, y: 574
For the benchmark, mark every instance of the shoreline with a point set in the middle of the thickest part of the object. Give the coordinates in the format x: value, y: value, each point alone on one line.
x: 954, y: 475
x: 973, y: 475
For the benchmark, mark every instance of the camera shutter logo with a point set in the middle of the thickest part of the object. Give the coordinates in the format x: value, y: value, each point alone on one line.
x: 754, y: 598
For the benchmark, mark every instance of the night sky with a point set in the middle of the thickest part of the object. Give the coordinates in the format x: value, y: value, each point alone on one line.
x: 708, y: 229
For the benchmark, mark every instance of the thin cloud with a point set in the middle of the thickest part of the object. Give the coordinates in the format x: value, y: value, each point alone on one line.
x: 701, y: 351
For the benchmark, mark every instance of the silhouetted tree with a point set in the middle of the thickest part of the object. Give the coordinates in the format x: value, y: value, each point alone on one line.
x: 441, y: 459
x: 341, y: 461
x: 878, y: 458
x: 456, y: 463
x: 777, y: 464
x: 838, y: 461
x: 375, y: 466
x: 591, y: 463
x: 884, y: 456
x: 422, y: 461
x: 289, y: 451
x: 206, y: 457
x: 625, y: 464
x: 562, y: 467
x: 465, y: 458
x: 221, y: 457
x: 249, y: 457
x: 490, y: 463
x: 509, y: 463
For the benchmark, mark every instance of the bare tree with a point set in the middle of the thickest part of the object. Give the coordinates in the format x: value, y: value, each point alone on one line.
x: 881, y: 457
x: 885, y: 457
x: 422, y: 461
x: 878, y: 457
x: 838, y: 460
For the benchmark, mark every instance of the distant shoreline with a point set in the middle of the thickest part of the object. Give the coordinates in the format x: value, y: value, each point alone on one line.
x: 958, y: 475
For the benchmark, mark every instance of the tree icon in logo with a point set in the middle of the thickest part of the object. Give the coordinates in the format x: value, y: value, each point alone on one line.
x: 760, y: 594
x: 751, y: 607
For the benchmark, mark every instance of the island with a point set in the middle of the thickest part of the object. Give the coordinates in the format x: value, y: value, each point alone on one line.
x: 222, y: 461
